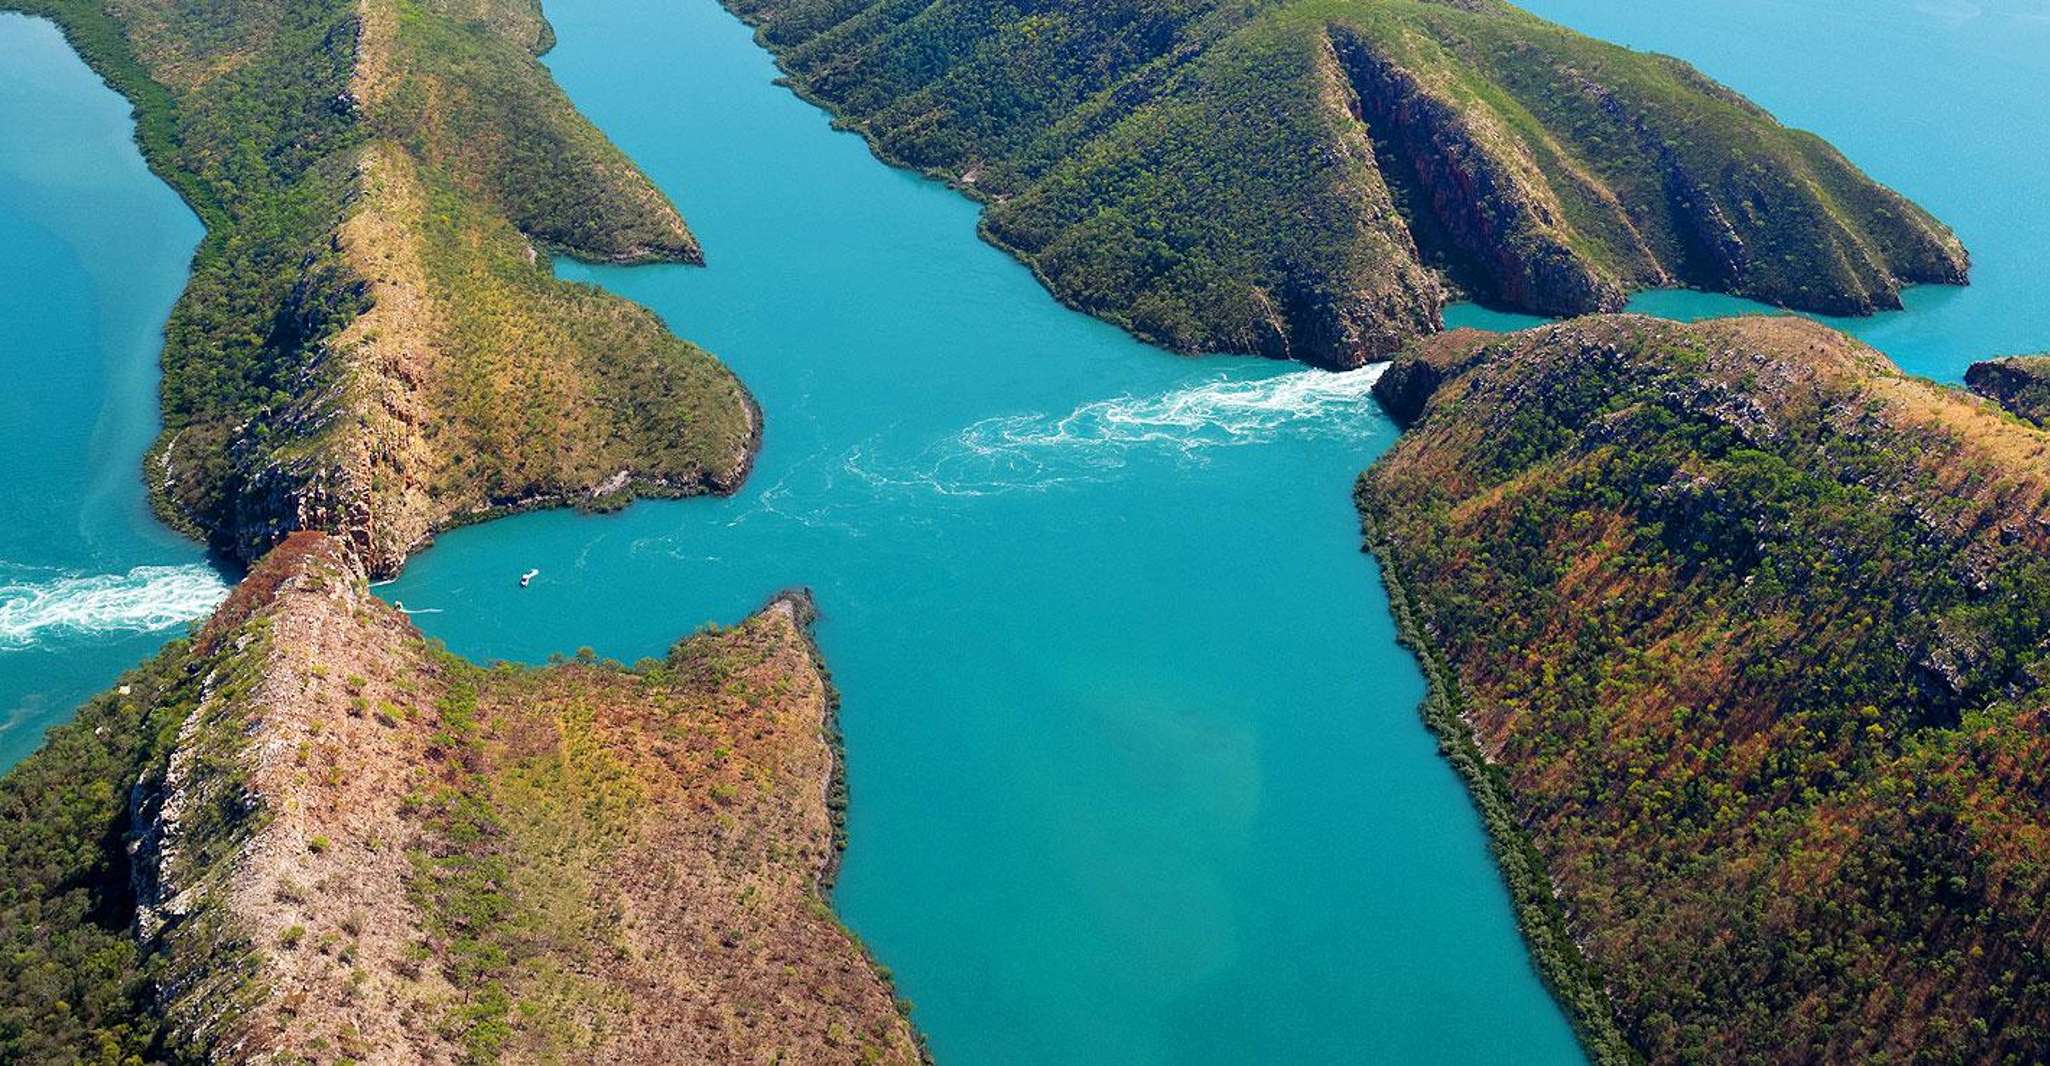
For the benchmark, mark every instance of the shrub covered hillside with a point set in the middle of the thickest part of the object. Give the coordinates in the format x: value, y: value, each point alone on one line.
x: 372, y: 342
x: 308, y: 836
x: 1316, y: 178
x: 1743, y: 637
x: 2020, y: 383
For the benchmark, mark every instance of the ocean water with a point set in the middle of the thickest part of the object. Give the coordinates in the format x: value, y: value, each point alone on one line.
x: 1136, y: 765
x: 1137, y: 773
x: 93, y: 250
x: 1947, y: 101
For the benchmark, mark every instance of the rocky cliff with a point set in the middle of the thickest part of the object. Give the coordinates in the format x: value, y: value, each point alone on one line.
x: 1315, y: 179
x: 1743, y: 639
x: 308, y: 835
x: 372, y: 343
x: 2020, y: 383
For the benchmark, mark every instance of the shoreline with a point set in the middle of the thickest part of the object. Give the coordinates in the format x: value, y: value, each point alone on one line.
x: 1540, y: 919
x: 805, y: 613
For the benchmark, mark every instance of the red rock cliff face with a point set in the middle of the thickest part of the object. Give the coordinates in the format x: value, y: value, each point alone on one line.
x: 1476, y: 205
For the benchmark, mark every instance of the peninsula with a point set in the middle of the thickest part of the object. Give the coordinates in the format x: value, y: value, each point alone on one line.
x: 372, y: 343
x: 1317, y: 179
x: 308, y: 835
x: 1742, y: 638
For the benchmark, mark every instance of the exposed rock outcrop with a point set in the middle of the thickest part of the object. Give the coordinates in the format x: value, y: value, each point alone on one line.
x: 2020, y: 383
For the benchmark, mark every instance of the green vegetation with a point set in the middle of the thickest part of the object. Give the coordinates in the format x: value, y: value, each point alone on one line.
x: 1740, y: 636
x: 467, y: 95
x: 1539, y: 913
x: 73, y: 983
x: 77, y: 845
x: 1315, y: 178
x: 366, y: 315
x: 566, y: 795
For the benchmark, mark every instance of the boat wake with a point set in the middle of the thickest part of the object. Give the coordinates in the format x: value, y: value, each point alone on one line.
x: 1039, y: 451
x: 38, y: 604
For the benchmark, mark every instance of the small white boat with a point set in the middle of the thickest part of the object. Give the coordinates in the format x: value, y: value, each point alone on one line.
x: 528, y: 578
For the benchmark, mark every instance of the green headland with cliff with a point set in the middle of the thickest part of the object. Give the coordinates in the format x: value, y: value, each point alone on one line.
x: 1317, y: 179
x: 1742, y: 638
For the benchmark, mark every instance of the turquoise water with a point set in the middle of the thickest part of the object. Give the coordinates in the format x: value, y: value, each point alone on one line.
x: 1136, y: 764
x: 1137, y: 771
x: 93, y: 249
x: 1945, y: 100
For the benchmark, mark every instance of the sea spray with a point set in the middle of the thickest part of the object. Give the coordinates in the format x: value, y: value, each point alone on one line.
x: 39, y: 605
x: 1039, y: 451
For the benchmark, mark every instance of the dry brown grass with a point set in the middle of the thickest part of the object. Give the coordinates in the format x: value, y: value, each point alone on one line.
x: 659, y: 841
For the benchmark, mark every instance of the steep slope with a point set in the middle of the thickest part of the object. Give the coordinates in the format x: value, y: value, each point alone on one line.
x: 372, y: 343
x: 1315, y: 178
x: 2020, y: 383
x: 1743, y: 638
x: 307, y: 835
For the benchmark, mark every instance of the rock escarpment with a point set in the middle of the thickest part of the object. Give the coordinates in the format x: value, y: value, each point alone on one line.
x: 372, y: 343
x: 1743, y: 638
x: 308, y: 835
x: 2020, y: 383
x: 1315, y: 179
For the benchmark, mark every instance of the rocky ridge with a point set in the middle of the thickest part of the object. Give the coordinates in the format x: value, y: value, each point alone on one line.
x: 347, y: 845
x: 2019, y: 383
x: 372, y: 343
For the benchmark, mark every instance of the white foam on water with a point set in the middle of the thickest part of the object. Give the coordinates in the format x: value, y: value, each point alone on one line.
x: 38, y: 605
x: 1039, y: 451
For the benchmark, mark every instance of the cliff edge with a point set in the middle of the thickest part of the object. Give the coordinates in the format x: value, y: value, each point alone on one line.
x: 2019, y: 383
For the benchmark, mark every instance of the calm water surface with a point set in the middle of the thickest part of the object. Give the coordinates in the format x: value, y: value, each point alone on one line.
x: 93, y: 249
x: 1136, y: 764
x: 1137, y: 770
x: 1946, y: 100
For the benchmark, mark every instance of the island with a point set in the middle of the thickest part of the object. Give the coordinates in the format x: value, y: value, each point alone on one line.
x: 1317, y: 179
x: 307, y: 834
x: 1741, y: 638
x: 372, y: 343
